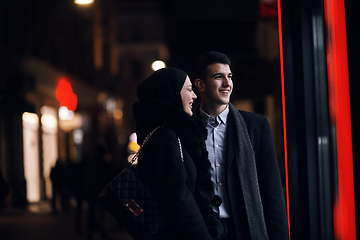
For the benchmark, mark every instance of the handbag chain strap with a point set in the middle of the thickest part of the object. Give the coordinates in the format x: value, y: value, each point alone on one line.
x: 145, y: 141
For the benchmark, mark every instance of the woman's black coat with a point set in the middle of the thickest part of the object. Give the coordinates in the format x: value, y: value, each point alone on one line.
x: 183, y: 186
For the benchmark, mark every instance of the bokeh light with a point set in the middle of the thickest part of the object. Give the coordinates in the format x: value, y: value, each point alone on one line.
x: 158, y: 64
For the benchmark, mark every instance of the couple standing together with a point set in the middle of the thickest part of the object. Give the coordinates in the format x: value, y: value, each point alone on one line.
x: 224, y: 183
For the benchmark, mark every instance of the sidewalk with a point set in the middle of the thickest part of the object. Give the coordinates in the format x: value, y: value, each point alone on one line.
x: 38, y: 223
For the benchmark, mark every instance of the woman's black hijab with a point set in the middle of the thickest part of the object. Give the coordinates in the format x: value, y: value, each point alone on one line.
x: 164, y: 85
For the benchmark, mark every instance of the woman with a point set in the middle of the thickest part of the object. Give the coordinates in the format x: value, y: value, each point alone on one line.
x: 182, y: 183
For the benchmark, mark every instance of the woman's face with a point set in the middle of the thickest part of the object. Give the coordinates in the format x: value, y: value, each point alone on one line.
x: 187, y: 96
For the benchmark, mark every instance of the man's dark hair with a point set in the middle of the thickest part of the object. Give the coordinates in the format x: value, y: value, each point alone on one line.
x: 200, y: 64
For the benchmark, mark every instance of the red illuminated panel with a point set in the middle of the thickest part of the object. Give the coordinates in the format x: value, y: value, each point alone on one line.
x: 340, y: 117
x: 283, y: 107
x: 268, y: 8
x: 65, y: 95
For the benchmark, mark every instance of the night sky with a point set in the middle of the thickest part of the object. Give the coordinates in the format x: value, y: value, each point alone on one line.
x: 194, y: 27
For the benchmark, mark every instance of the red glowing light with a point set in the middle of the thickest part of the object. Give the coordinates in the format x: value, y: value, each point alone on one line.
x: 268, y: 8
x: 65, y: 95
x: 283, y: 107
x: 340, y: 116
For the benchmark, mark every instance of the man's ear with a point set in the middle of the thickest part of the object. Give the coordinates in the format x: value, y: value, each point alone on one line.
x: 200, y: 84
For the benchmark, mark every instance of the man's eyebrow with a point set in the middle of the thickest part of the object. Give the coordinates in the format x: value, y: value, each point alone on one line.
x: 217, y: 74
x: 221, y: 74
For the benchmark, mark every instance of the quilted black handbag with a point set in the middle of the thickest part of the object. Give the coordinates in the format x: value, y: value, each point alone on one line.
x: 130, y: 201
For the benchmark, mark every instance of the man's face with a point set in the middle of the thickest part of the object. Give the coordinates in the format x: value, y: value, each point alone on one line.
x: 218, y: 85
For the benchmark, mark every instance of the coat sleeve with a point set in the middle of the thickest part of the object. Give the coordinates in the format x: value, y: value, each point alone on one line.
x: 163, y: 168
x: 270, y: 184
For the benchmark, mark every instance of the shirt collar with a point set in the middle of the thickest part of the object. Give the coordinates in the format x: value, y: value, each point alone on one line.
x: 222, y: 117
x: 224, y: 114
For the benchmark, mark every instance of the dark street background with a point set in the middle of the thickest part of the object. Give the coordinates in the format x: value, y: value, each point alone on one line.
x: 38, y: 223
x: 102, y: 51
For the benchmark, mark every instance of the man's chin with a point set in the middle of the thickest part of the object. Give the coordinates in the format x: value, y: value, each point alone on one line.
x: 225, y: 101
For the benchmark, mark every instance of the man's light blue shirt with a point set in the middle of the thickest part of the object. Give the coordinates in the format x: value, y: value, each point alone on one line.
x: 216, y: 145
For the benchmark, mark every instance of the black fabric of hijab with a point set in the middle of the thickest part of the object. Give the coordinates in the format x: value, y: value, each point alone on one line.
x: 164, y: 85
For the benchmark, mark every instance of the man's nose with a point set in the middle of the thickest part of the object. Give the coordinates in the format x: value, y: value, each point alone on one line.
x: 226, y: 81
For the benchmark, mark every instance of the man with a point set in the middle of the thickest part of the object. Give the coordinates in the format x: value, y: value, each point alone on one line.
x: 242, y: 155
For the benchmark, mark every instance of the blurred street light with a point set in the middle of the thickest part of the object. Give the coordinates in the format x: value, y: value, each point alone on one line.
x: 84, y: 2
x: 65, y: 113
x: 158, y: 64
x: 133, y: 146
x: 65, y: 95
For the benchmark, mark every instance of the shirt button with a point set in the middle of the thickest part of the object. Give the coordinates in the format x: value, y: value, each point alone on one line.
x: 217, y: 146
x: 220, y: 184
x: 218, y: 165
